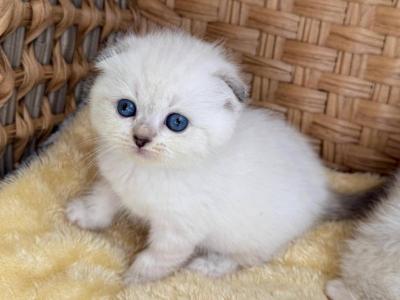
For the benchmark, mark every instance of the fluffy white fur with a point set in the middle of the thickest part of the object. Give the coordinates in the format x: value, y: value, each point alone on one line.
x: 371, y: 263
x: 231, y: 190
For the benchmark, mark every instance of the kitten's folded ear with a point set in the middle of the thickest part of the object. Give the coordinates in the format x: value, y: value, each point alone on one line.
x: 236, y: 84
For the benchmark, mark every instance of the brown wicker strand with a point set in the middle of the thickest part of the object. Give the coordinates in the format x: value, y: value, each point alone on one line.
x: 330, y: 67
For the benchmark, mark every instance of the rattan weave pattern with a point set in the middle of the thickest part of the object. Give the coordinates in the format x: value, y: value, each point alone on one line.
x: 45, y: 50
x: 332, y: 67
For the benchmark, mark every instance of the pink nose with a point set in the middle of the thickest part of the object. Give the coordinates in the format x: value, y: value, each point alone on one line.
x: 141, y: 141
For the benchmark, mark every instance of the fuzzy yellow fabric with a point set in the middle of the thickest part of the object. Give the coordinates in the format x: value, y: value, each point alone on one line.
x: 42, y: 256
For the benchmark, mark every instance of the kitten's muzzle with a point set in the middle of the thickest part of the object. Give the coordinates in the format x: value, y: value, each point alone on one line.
x: 141, y: 141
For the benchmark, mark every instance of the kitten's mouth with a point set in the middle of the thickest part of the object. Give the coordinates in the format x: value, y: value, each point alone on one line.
x: 143, y: 152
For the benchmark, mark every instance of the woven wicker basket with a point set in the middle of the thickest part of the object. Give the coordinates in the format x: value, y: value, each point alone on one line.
x: 332, y: 67
x: 46, y: 47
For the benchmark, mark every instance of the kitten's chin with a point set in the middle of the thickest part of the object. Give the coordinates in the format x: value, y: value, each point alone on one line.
x: 150, y: 158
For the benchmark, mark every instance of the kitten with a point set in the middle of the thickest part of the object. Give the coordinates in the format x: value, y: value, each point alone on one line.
x: 370, y: 266
x: 179, y: 148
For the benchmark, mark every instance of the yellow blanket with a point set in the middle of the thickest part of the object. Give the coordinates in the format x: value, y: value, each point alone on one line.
x: 42, y: 256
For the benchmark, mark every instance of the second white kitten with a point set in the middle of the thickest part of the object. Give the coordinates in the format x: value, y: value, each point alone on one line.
x: 179, y: 149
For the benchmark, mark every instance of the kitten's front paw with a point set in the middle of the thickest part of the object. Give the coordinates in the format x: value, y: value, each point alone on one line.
x: 136, y: 276
x: 132, y: 277
x: 337, y: 290
x: 145, y: 268
x: 212, y: 265
x: 86, y: 216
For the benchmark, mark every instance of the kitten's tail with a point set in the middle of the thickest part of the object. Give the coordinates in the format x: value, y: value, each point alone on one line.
x: 358, y: 205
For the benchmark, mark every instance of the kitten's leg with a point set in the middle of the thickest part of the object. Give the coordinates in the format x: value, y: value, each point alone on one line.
x: 336, y: 290
x: 165, y: 254
x: 213, y: 265
x: 95, y: 210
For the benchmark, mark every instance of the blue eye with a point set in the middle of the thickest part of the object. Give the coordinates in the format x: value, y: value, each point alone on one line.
x: 126, y: 108
x: 176, y: 122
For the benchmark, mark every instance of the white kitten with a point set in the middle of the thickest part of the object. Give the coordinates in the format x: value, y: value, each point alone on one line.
x: 371, y: 263
x: 183, y: 152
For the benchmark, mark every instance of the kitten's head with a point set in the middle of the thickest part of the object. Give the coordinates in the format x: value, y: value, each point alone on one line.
x: 165, y: 98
